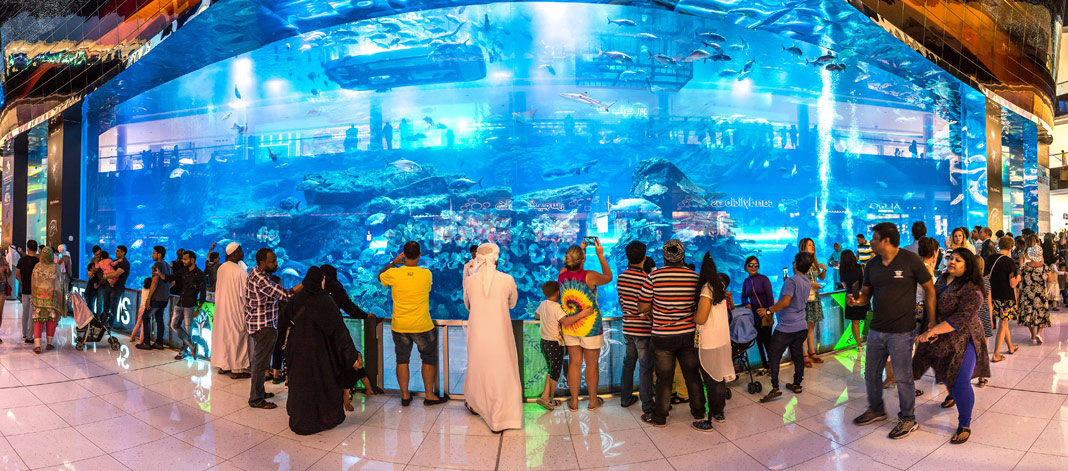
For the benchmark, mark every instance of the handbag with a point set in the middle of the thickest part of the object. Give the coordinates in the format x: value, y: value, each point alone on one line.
x: 766, y: 320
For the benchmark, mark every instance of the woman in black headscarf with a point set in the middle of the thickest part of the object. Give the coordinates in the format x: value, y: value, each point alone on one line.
x: 337, y: 292
x: 318, y: 352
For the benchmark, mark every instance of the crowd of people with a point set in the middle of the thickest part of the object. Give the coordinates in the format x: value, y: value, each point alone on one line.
x: 930, y: 305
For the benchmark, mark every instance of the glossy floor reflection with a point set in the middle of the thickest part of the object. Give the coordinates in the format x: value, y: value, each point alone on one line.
x: 140, y: 410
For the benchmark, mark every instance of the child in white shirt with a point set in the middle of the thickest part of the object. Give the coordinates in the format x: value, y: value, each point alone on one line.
x: 552, y: 317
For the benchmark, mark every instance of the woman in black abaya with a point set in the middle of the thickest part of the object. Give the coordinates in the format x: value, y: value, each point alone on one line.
x: 318, y: 352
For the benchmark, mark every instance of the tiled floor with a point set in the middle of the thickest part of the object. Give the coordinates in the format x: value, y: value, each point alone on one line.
x: 143, y: 410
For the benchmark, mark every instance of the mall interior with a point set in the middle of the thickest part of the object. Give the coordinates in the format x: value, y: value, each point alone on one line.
x: 333, y: 132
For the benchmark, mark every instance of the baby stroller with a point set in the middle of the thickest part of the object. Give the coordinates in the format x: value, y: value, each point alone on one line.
x: 89, y: 327
x: 743, y: 334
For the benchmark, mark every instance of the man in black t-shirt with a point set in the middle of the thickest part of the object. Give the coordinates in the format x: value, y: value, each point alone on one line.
x: 891, y: 278
x: 114, y: 284
x: 1002, y: 271
x: 24, y: 273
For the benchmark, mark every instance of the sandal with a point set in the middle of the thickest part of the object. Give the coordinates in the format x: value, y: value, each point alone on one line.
x: 541, y: 402
x: 572, y: 404
x: 982, y: 382
x: 796, y: 388
x: 815, y: 359
x: 949, y: 402
x: 1013, y: 349
x: 997, y: 359
x: 962, y: 435
x: 675, y: 399
x: 808, y: 363
x: 37, y: 350
x: 600, y: 402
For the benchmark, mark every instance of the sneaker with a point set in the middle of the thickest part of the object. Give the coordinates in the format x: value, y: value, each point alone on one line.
x: 142, y: 346
x: 869, y: 417
x: 719, y: 418
x: 628, y: 401
x: 772, y: 395
x: 903, y: 429
x: 702, y: 425
x: 651, y: 421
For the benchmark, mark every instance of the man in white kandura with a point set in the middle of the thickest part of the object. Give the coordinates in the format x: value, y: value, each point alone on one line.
x: 492, y: 383
x: 229, y: 335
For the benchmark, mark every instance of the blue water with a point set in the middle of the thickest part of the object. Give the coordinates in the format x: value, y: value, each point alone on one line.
x: 533, y: 125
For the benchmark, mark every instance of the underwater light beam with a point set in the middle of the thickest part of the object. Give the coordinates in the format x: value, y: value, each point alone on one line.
x: 826, y: 111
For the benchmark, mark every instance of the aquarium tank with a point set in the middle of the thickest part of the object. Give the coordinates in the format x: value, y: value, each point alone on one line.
x: 736, y: 127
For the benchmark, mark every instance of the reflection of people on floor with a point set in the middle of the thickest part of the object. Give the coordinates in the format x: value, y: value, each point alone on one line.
x: 492, y: 384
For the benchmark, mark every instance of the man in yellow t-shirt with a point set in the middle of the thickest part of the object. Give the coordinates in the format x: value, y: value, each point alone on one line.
x: 411, y: 321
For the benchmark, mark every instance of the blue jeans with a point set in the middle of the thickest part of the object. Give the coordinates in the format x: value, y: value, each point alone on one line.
x: 641, y: 354
x: 899, y: 348
x: 182, y: 324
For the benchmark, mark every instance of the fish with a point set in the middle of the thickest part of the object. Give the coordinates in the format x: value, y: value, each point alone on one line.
x: 748, y: 65
x: 375, y: 219
x: 548, y: 68
x: 454, y: 18
x: 647, y: 36
x: 747, y: 12
x: 821, y: 59
x: 793, y: 50
x: 378, y: 36
x: 314, y: 92
x: 834, y: 67
x: 634, y: 205
x: 307, y: 185
x: 428, y: 120
x: 464, y: 184
x: 186, y: 161
x: 179, y: 173
x: 715, y: 46
x: 619, y: 56
x: 314, y: 112
x: 696, y: 55
x: 957, y: 200
x: 720, y: 57
x: 767, y: 163
x: 485, y: 22
x: 621, y: 22
x: 240, y: 129
x: 712, y: 37
x: 585, y: 98
x: 290, y: 272
x: 227, y: 116
x: 237, y: 93
x: 271, y: 155
x: 772, y: 18
x: 405, y: 165
x: 289, y: 203
x: 137, y: 244
x: 664, y: 59
x: 525, y: 117
x: 728, y: 73
x: 574, y: 170
x: 880, y: 183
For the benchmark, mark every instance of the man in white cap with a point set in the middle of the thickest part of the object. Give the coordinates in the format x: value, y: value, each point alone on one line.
x: 229, y: 336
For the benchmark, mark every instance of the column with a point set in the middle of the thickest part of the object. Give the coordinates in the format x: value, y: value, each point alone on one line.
x: 995, y: 200
x: 64, y: 179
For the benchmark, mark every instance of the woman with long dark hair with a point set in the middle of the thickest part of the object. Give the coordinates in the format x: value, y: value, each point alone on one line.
x: 956, y: 347
x: 852, y: 275
x: 584, y: 339
x: 757, y: 296
x: 713, y: 341
x: 813, y: 306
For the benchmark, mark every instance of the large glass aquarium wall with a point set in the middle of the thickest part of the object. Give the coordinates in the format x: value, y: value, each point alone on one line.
x: 532, y: 125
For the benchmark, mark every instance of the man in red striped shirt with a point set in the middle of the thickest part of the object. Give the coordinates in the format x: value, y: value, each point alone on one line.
x: 636, y: 331
x: 669, y: 298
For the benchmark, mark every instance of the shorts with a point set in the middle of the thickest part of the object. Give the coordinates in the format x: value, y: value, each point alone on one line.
x: 1004, y: 309
x: 425, y: 342
x: 589, y: 343
x: 553, y: 353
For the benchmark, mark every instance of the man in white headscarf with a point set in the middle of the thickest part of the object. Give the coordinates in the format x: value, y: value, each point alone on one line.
x: 229, y: 335
x: 492, y: 385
